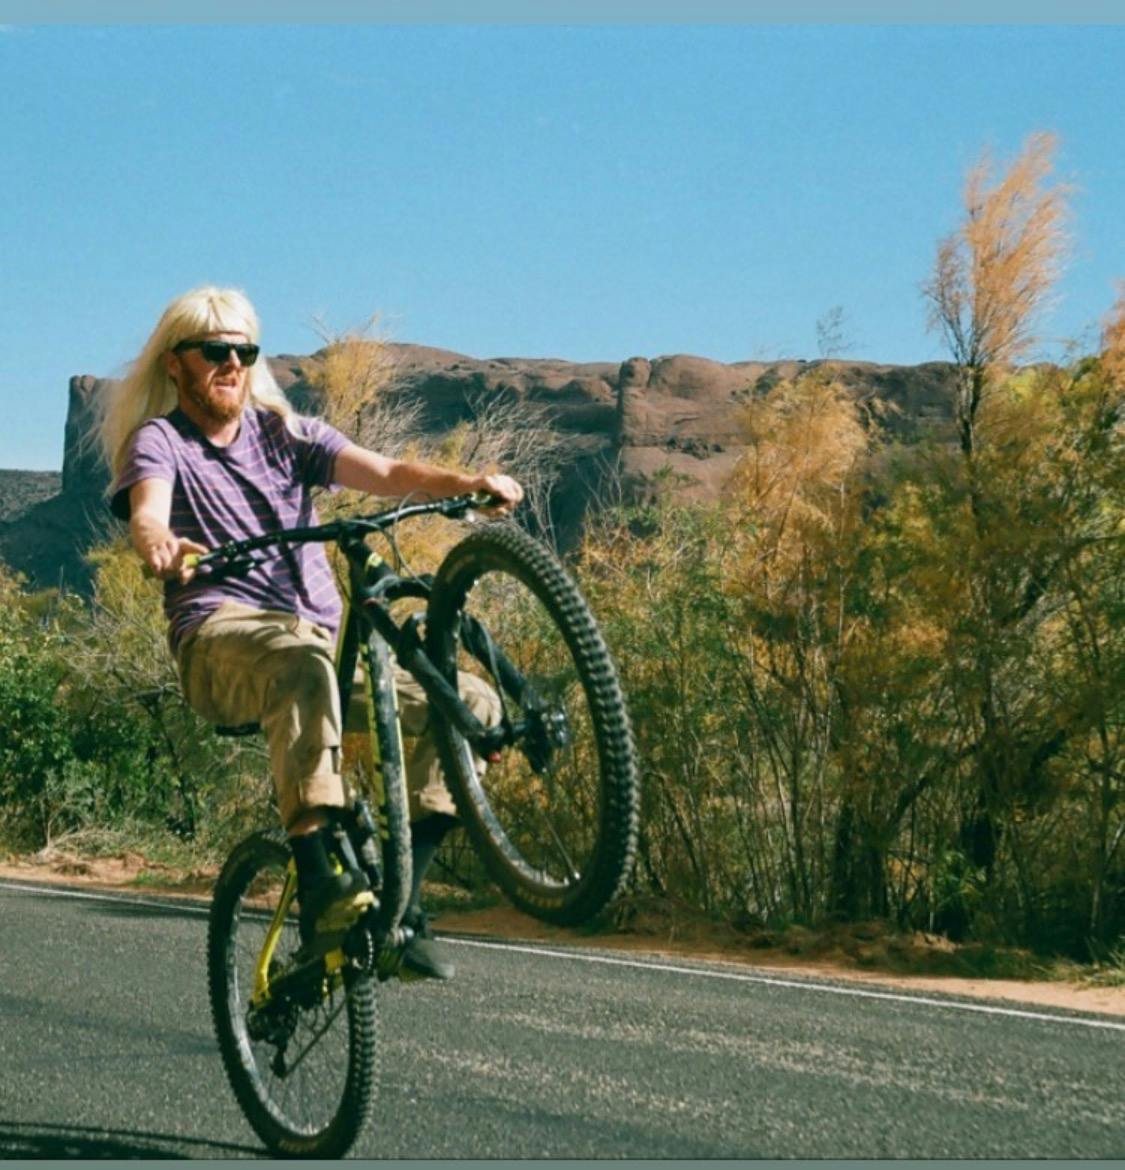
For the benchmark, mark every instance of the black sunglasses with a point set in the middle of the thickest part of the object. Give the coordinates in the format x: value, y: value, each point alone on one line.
x: 218, y: 352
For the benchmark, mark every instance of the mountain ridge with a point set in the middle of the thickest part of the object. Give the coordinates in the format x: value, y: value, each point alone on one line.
x: 626, y: 425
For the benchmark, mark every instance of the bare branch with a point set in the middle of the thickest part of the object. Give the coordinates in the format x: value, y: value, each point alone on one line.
x: 511, y: 432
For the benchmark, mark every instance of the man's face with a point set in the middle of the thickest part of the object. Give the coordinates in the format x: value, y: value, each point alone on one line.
x: 219, y: 392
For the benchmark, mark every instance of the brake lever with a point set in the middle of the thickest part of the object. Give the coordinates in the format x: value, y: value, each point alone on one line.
x: 480, y: 501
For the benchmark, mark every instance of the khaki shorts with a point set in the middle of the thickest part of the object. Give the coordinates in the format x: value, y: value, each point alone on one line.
x: 245, y: 665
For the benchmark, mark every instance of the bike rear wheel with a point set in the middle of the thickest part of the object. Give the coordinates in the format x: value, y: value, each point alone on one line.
x: 304, y: 1070
x: 554, y: 820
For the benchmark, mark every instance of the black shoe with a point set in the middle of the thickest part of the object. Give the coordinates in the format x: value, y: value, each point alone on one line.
x: 334, y: 903
x: 423, y: 957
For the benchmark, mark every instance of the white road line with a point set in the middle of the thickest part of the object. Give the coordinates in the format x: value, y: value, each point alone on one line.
x: 191, y: 905
x: 800, y: 984
x: 605, y: 960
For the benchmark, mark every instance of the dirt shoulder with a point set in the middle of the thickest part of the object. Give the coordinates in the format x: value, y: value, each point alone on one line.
x: 866, y: 954
x: 867, y: 963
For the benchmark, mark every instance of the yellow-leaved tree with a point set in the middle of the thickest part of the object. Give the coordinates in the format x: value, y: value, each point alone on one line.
x: 1015, y: 523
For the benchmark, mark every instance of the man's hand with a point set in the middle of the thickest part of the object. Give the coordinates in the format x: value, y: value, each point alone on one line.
x: 165, y: 557
x: 503, y: 487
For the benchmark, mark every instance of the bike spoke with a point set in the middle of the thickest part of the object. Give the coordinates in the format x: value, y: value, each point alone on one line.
x: 293, y: 1065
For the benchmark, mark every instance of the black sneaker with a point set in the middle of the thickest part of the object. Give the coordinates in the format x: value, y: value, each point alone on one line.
x: 334, y: 903
x: 423, y: 957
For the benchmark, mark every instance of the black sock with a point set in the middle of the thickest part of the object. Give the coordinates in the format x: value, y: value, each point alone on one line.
x: 426, y: 837
x: 310, y: 851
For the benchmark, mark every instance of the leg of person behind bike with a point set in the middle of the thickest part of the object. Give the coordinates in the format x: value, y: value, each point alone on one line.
x: 432, y: 811
x: 260, y: 666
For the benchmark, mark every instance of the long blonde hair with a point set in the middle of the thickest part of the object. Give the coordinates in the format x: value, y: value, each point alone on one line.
x: 147, y: 391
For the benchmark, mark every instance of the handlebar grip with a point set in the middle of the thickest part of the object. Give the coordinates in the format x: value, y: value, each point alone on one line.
x: 190, y: 561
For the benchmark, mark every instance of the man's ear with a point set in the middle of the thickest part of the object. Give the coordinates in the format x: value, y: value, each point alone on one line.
x: 173, y: 365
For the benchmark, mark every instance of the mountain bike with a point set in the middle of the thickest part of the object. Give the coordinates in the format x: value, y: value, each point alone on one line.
x: 548, y: 796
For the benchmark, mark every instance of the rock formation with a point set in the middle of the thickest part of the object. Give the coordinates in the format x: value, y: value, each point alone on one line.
x: 624, y: 423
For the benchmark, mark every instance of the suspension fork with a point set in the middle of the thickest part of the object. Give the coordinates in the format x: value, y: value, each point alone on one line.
x: 357, y: 647
x: 363, y: 642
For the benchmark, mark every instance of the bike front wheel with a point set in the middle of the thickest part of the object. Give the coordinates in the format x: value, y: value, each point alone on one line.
x: 301, y: 1062
x: 554, y: 818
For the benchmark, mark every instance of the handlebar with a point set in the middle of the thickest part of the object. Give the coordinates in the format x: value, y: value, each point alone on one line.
x: 233, y: 559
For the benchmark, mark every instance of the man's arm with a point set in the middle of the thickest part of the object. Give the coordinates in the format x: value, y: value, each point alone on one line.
x: 378, y: 475
x: 150, y: 509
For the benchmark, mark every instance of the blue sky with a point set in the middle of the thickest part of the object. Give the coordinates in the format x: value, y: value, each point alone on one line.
x: 587, y: 192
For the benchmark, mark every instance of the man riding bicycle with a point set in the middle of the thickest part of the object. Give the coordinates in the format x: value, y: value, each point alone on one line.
x: 205, y: 448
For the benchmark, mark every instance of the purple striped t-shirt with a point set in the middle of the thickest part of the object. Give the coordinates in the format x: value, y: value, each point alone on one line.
x: 259, y: 483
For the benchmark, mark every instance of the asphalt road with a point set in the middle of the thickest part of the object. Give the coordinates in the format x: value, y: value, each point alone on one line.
x: 106, y: 1051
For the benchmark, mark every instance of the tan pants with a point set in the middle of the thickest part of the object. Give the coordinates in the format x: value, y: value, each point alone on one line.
x: 245, y: 665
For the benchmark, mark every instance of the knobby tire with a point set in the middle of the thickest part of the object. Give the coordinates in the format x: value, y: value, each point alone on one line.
x: 565, y: 859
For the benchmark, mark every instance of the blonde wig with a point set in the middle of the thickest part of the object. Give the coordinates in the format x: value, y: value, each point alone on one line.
x: 148, y: 391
